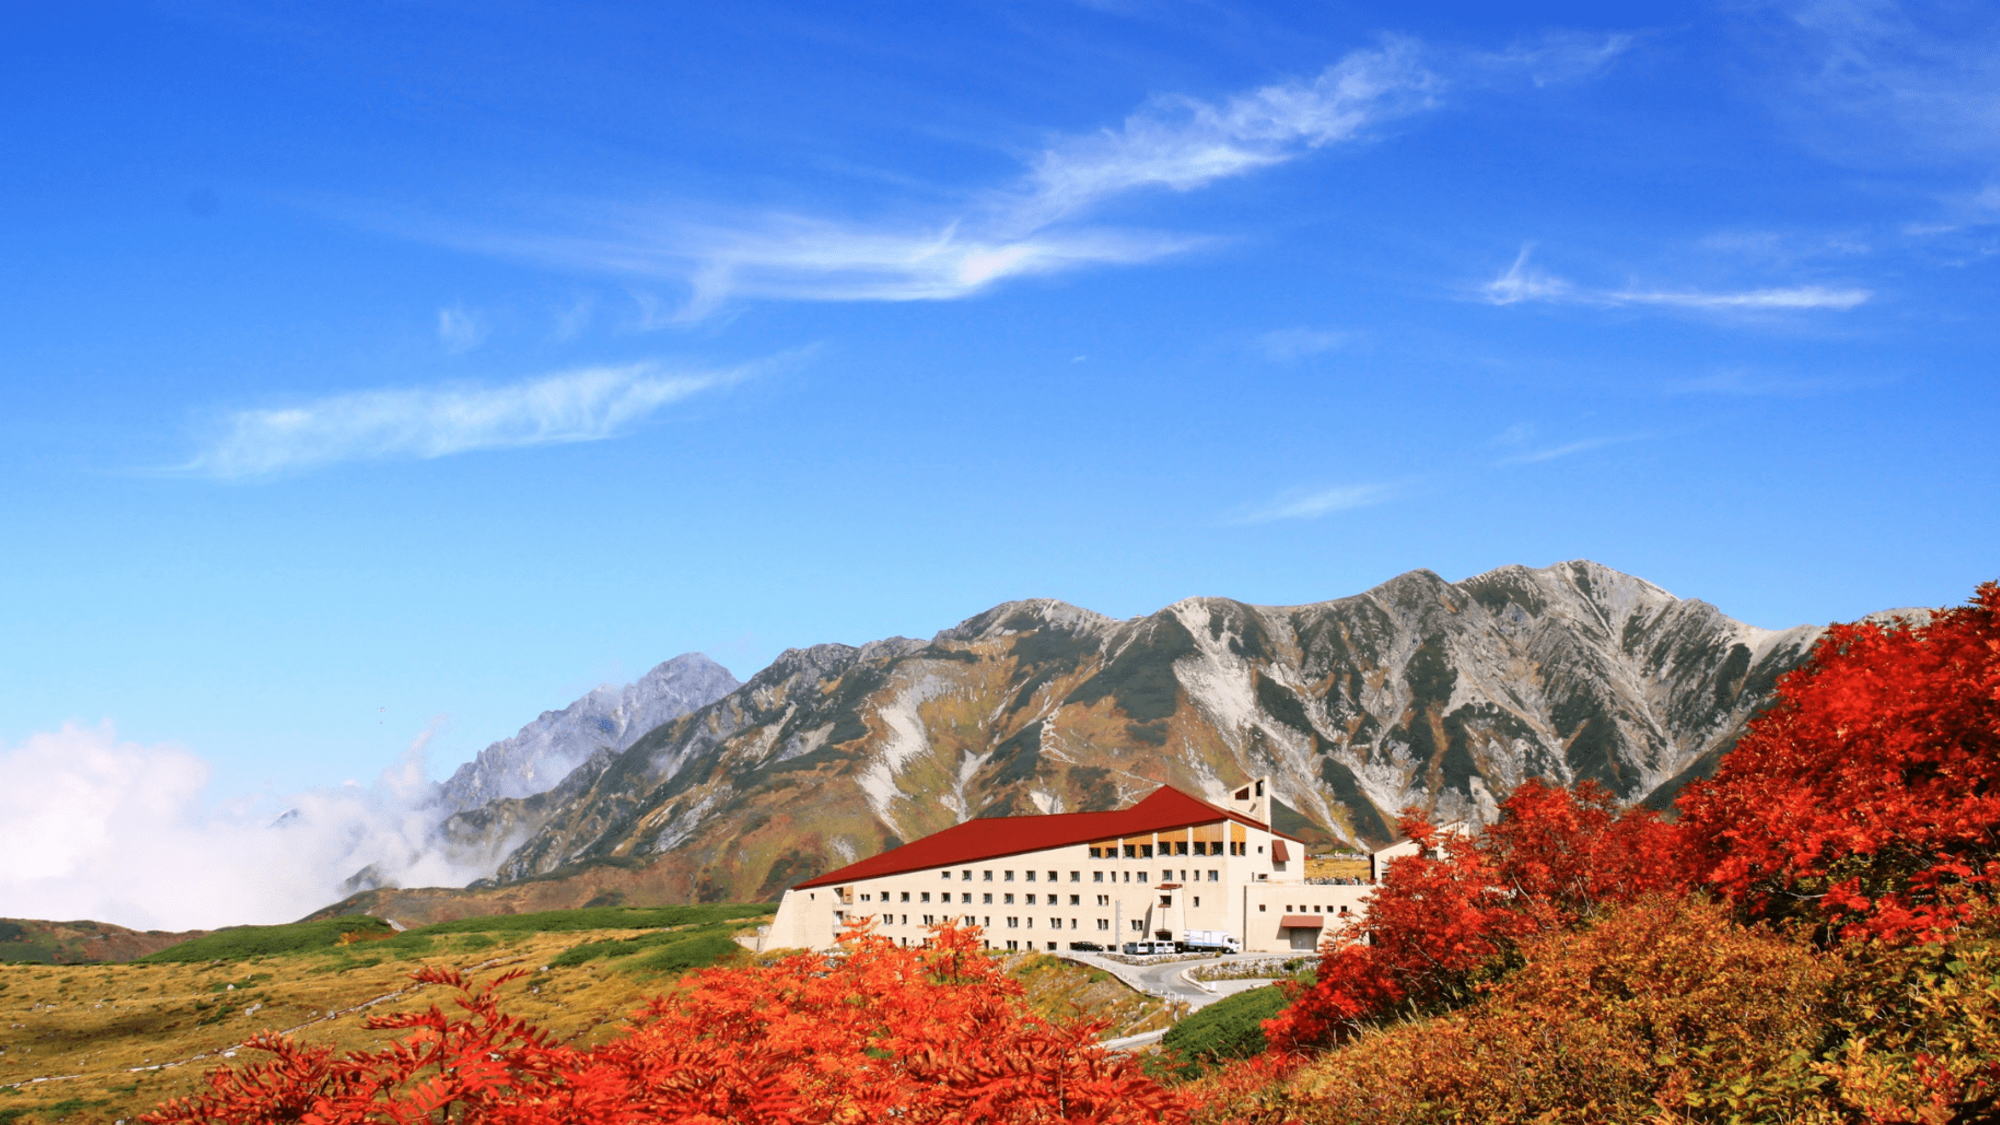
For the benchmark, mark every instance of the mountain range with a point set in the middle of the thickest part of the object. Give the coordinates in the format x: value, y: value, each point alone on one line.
x: 1419, y: 692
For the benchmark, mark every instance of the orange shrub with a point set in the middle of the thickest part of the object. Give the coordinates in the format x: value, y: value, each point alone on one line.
x: 1664, y: 1010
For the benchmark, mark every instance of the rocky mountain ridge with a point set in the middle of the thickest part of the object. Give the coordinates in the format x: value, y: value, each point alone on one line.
x: 1418, y: 692
x: 609, y: 717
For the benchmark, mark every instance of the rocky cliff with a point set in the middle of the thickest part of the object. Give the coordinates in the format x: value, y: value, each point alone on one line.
x: 1418, y: 692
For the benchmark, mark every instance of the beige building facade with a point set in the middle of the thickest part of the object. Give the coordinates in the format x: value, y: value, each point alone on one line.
x: 1157, y: 871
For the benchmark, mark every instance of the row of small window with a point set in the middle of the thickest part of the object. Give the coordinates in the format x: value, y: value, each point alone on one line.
x: 1303, y: 909
x: 1137, y: 925
x: 1167, y: 847
x: 1008, y: 876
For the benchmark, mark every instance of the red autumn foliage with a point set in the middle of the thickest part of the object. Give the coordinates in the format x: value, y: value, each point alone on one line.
x: 1465, y: 902
x: 870, y: 1032
x: 1867, y: 799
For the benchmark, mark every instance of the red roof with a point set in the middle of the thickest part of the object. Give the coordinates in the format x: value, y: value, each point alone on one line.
x: 1279, y: 853
x: 1302, y: 922
x: 999, y: 836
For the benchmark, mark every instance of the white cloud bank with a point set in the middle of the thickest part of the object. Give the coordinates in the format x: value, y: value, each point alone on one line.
x: 114, y: 831
x: 1035, y: 224
x: 420, y: 422
x: 1521, y: 283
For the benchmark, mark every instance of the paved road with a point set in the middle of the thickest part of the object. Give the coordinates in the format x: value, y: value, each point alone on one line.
x: 1166, y: 979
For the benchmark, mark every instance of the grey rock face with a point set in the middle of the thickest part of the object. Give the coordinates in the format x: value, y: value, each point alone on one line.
x: 609, y: 718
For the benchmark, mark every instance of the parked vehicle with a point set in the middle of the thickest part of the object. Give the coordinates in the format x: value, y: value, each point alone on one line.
x: 1147, y: 948
x: 1085, y: 946
x: 1210, y: 941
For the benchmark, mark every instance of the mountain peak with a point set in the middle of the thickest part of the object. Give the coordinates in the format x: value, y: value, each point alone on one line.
x: 1025, y: 616
x: 610, y: 717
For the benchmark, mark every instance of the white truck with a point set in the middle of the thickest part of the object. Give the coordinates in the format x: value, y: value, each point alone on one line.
x: 1216, y: 941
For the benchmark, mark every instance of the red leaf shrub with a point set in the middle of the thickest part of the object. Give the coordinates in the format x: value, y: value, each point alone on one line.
x: 1465, y: 902
x: 870, y: 1032
x: 1867, y: 799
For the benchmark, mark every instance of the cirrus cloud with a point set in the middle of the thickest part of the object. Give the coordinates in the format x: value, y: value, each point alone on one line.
x: 399, y: 423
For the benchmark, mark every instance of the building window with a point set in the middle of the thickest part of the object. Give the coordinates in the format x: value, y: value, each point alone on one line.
x: 926, y: 896
x: 1104, y: 923
x: 1143, y: 878
x: 1076, y: 900
x: 906, y: 896
x: 1008, y: 898
x: 1031, y: 923
x: 987, y: 898
x: 1104, y: 900
x: 1197, y: 900
x: 1097, y: 876
x: 1214, y: 876
x: 967, y: 874
x: 927, y: 919
x: 1013, y: 945
x: 1052, y: 876
x: 1014, y: 923
x: 966, y: 897
x: 1031, y: 876
x: 1166, y: 900
x: 1055, y: 923
x: 1138, y: 926
x: 946, y: 874
x: 1010, y: 876
x: 1076, y: 876
x: 988, y: 876
x: 1031, y: 900
x: 1260, y: 908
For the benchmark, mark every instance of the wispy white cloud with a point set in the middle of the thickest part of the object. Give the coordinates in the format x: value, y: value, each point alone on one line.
x: 1566, y: 449
x: 573, y: 318
x: 1520, y: 445
x: 424, y: 422
x: 1557, y: 57
x: 460, y: 329
x: 1877, y: 78
x: 1181, y: 143
x: 1308, y: 504
x: 1041, y: 223
x: 1521, y: 282
x: 1288, y: 345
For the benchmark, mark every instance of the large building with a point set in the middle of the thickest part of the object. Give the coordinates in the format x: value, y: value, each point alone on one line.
x: 1163, y: 867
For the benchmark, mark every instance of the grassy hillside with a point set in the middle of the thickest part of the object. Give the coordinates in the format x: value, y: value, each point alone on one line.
x: 37, y: 942
x: 112, y: 1040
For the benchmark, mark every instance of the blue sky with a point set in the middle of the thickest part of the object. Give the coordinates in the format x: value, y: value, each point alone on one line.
x: 383, y: 370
